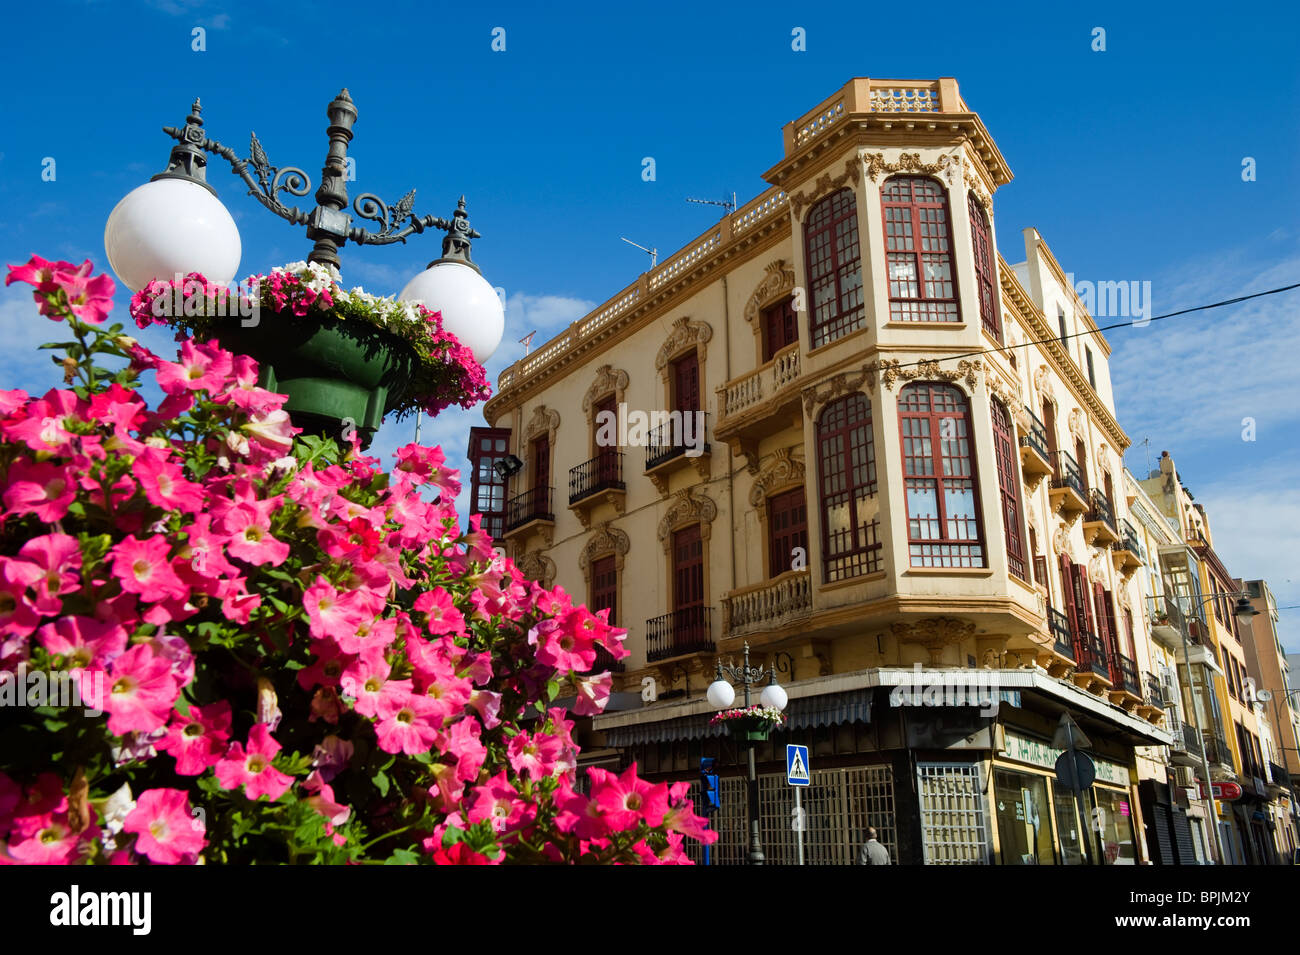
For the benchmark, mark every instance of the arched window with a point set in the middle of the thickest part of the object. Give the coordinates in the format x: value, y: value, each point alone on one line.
x: 846, y: 462
x: 918, y: 247
x: 943, y: 525
x: 985, y: 274
x: 833, y: 260
x: 1004, y: 449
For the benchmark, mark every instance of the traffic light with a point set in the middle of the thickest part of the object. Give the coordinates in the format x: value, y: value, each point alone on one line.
x: 708, y: 786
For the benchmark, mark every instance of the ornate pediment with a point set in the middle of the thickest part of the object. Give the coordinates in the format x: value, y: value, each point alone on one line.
x: 544, y: 421
x: 846, y: 382
x: 825, y: 184
x: 784, y: 468
x: 684, y: 335
x: 911, y: 163
x: 537, y: 566
x: 609, y: 380
x: 928, y: 369
x: 605, y: 540
x: 777, y: 281
x: 934, y: 633
x: 687, y: 507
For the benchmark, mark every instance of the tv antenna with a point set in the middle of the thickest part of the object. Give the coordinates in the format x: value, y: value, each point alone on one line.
x: 527, y: 342
x: 729, y: 205
x: 653, y: 253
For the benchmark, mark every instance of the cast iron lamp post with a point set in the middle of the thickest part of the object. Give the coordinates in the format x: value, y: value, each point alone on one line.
x: 175, y: 224
x: 722, y: 694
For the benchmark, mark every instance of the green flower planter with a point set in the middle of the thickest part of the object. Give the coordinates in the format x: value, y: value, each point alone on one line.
x: 749, y: 730
x: 336, y: 373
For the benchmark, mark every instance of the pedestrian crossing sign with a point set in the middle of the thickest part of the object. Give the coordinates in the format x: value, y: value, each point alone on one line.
x: 796, y: 765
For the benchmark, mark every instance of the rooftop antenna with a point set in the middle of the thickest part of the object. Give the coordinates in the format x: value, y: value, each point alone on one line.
x: 730, y: 205
x: 653, y: 253
x: 527, y: 342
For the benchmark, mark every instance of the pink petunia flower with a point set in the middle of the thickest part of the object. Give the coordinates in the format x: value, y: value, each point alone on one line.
x: 533, y: 754
x: 593, y: 693
x: 138, y: 693
x: 201, y: 368
x: 404, y: 726
x: 166, y: 830
x: 366, y: 681
x: 44, y: 489
x: 165, y: 484
x: 143, y: 568
x: 252, y: 768
x: 626, y: 800
x: 198, y: 740
x: 83, y: 642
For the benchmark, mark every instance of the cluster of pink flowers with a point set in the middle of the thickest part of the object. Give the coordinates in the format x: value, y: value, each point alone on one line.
x: 757, y: 712
x: 447, y: 371
x: 276, y: 630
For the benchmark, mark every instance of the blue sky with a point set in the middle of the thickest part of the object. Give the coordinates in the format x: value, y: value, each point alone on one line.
x: 1128, y: 161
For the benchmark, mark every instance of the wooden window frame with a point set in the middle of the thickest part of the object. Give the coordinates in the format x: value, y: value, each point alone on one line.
x: 845, y: 259
x: 917, y: 255
x: 986, y: 280
x: 477, y: 457
x: 864, y: 556
x: 978, y: 545
x: 797, y: 534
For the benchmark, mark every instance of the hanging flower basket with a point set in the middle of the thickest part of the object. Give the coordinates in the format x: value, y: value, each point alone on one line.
x: 750, y: 723
x: 344, y: 358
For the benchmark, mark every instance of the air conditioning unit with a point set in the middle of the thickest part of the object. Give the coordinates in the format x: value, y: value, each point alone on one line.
x: 1185, y: 777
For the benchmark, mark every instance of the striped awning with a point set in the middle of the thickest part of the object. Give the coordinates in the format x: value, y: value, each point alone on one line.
x: 852, y: 706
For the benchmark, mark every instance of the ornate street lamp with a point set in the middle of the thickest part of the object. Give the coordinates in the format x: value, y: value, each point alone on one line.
x: 175, y: 224
x: 722, y: 694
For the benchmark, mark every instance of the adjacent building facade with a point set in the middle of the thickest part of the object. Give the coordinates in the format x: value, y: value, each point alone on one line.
x: 839, y: 430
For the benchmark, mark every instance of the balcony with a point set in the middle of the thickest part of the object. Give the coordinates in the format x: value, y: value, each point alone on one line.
x: 760, y: 404
x: 1127, y: 690
x: 1187, y: 749
x: 1035, y: 459
x: 1153, y: 705
x: 528, y: 512
x: 1068, y: 493
x: 1126, y: 551
x: 1166, y: 621
x: 1092, y: 671
x: 667, y: 450
x: 1058, y: 655
x: 595, y: 482
x: 1217, y: 750
x: 679, y: 633
x: 772, y: 605
x: 1099, y: 527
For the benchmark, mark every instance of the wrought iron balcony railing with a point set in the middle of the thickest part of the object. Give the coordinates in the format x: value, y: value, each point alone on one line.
x: 1101, y: 510
x: 668, y: 441
x: 679, y: 632
x: 1192, y: 740
x: 1037, y: 436
x: 534, y: 505
x: 1124, y: 674
x: 1128, y: 538
x: 603, y: 472
x: 1066, y: 473
x: 605, y: 661
x: 1059, y: 626
x: 1155, y: 690
x: 1090, y: 654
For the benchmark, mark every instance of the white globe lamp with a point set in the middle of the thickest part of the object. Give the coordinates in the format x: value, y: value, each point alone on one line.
x: 471, y: 309
x: 171, y: 226
x: 774, y: 695
x: 721, y: 694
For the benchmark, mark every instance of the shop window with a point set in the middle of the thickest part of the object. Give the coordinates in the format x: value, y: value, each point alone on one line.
x: 1024, y: 819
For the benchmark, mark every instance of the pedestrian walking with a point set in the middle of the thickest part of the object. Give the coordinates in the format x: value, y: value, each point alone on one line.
x: 873, y: 853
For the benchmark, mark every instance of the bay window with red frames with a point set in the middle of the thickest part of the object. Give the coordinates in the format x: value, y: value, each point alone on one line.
x: 918, y: 251
x: 833, y: 261
x: 487, y: 491
x: 981, y: 241
x: 939, y: 479
x: 1004, y: 448
x: 850, y: 512
x: 787, y: 529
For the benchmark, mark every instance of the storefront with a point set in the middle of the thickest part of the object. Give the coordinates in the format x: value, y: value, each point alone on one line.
x: 1037, y: 821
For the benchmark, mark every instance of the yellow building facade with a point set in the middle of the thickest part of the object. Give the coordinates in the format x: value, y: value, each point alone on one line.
x: 894, y: 474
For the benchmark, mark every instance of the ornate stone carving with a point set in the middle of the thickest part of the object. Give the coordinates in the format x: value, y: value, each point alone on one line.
x: 910, y: 163
x: 685, y: 334
x: 608, y: 379
x: 1075, y: 423
x: 846, y: 382
x: 785, y: 468
x: 826, y: 183
x: 607, y: 539
x: 1006, y: 391
x: 934, y: 633
x: 976, y: 185
x: 1061, y: 540
x: 927, y: 369
x: 1122, y: 597
x: 687, y: 507
x: 544, y: 420
x: 1096, y: 567
x: 1043, y: 383
x: 537, y: 566
x: 777, y: 281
